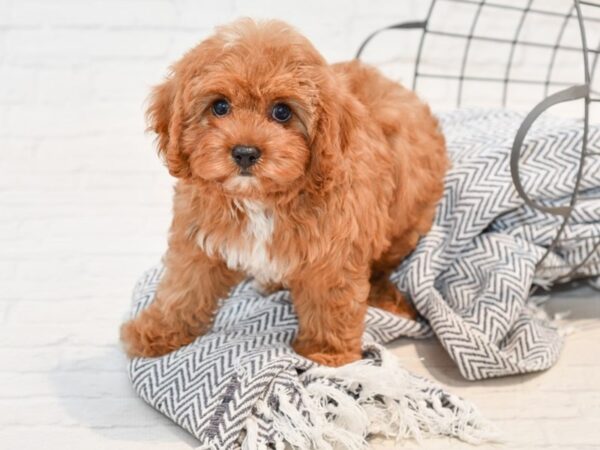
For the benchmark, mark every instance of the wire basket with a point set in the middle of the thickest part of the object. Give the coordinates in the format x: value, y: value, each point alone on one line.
x: 491, y: 53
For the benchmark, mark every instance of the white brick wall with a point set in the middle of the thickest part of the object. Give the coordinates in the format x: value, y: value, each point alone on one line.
x: 85, y: 202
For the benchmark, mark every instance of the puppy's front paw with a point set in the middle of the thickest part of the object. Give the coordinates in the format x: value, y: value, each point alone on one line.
x: 315, y: 353
x: 146, y: 338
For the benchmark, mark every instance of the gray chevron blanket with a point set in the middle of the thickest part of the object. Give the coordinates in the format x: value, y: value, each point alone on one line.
x: 242, y: 386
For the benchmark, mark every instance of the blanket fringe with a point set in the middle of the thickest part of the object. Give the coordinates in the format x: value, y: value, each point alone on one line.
x: 348, y: 405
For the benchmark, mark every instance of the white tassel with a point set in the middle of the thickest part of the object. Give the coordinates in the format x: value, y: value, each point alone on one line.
x: 394, y: 404
x: 295, y: 428
x: 250, y: 442
x: 348, y: 404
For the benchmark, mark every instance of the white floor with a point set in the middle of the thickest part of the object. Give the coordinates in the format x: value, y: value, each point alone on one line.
x: 559, y: 408
x: 70, y: 252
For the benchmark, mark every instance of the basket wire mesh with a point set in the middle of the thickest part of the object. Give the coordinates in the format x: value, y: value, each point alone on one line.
x: 566, y: 68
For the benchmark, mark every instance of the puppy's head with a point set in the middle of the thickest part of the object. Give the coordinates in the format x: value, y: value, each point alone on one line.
x: 253, y: 110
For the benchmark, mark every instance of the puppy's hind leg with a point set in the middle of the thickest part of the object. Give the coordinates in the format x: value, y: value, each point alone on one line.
x: 385, y: 295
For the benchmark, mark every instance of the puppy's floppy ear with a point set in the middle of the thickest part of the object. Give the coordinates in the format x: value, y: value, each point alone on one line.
x: 331, y: 136
x: 164, y: 118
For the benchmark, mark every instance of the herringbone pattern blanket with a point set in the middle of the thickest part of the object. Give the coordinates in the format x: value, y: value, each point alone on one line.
x: 242, y: 384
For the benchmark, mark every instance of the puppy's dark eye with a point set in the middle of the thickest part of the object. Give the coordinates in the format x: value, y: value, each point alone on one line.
x: 281, y: 112
x: 221, y: 107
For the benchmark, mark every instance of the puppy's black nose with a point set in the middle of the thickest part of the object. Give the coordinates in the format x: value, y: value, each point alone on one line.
x: 245, y: 156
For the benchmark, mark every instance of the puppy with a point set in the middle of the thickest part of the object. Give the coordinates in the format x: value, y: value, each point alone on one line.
x: 313, y: 177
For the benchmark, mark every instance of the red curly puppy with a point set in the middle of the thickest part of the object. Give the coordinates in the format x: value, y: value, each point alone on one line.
x: 316, y: 177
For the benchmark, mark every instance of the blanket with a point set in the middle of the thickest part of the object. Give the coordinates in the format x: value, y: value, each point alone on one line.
x: 471, y: 275
x: 242, y: 386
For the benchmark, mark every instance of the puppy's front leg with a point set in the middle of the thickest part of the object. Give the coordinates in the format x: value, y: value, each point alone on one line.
x: 331, y: 310
x: 185, y: 302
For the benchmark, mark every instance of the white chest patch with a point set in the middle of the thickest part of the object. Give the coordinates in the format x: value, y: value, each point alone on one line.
x: 250, y: 255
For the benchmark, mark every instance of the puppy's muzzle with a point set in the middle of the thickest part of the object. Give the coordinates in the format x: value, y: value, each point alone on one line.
x: 245, y: 156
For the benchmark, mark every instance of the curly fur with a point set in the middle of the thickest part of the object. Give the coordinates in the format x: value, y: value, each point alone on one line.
x: 340, y: 195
